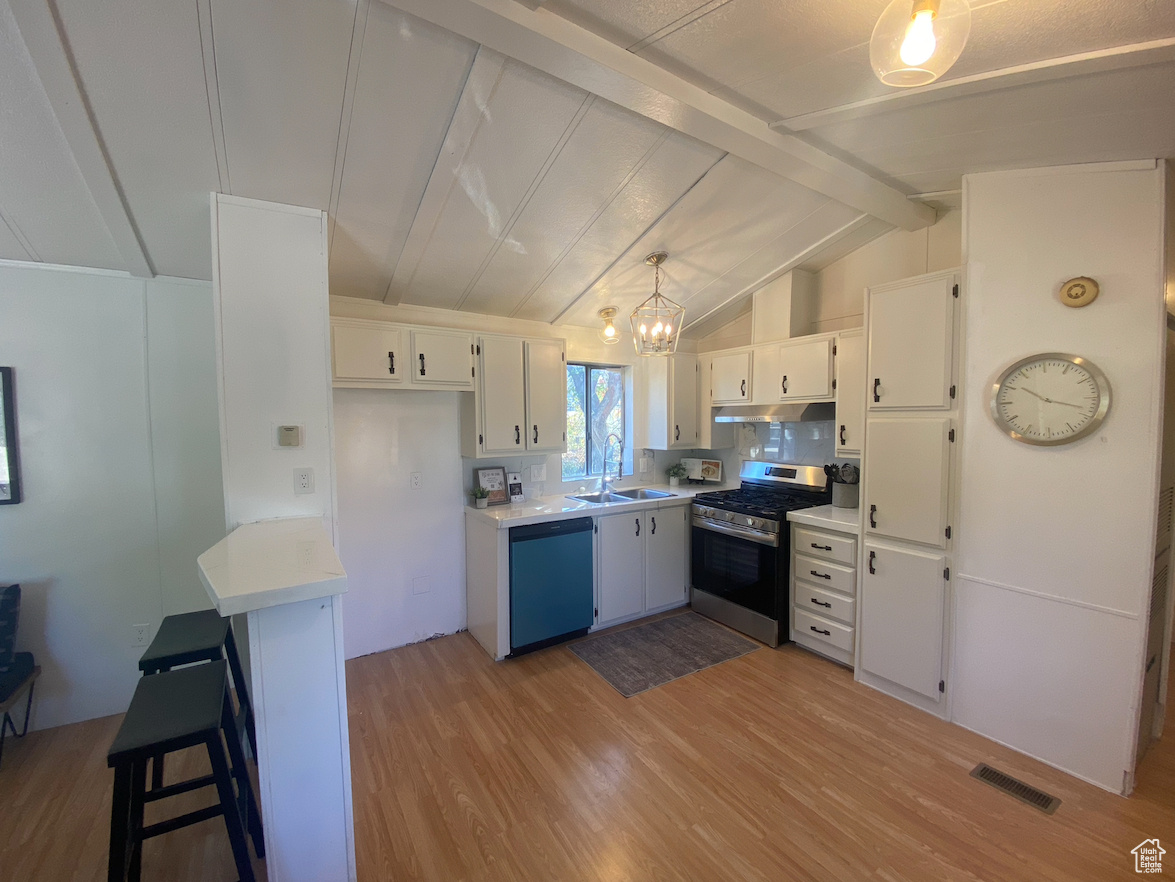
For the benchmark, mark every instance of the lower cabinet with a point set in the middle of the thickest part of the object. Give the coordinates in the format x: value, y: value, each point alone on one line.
x: 824, y: 591
x: 642, y: 562
x: 903, y: 593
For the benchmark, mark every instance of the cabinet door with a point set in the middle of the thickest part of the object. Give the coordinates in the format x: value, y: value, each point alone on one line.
x: 665, y: 556
x: 546, y: 395
x: 805, y: 370
x: 910, y: 345
x: 711, y: 435
x: 850, y: 394
x: 502, y: 393
x: 683, y: 410
x: 730, y: 379
x: 364, y: 352
x: 906, y: 467
x: 902, y: 596
x: 622, y: 565
x: 442, y: 358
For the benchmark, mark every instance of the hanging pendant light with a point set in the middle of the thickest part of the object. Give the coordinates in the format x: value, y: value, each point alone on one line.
x: 608, y: 333
x: 916, y: 41
x: 656, y: 323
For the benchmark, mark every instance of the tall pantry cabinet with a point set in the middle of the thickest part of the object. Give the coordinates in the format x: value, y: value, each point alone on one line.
x: 911, y: 429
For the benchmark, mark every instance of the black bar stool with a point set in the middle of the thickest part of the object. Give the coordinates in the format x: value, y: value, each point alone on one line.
x: 188, y: 638
x: 173, y: 711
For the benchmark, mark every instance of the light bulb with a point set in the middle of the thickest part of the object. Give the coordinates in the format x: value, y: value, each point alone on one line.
x: 920, y: 43
x: 657, y: 328
x: 668, y: 330
x: 609, y: 330
x: 644, y: 330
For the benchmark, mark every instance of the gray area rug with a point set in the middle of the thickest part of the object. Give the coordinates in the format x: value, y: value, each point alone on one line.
x: 641, y: 658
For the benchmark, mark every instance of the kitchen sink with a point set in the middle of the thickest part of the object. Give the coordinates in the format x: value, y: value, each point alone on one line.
x: 642, y: 493
x: 601, y: 498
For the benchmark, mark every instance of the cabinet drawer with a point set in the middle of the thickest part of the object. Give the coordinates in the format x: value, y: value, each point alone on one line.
x: 826, y: 575
x: 826, y: 630
x: 829, y: 546
x: 825, y: 603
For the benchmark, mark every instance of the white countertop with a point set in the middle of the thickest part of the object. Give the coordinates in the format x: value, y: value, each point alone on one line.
x: 270, y: 563
x: 843, y: 520
x: 558, y: 508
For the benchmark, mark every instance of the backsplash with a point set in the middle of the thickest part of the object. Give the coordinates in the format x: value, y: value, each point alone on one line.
x: 812, y: 443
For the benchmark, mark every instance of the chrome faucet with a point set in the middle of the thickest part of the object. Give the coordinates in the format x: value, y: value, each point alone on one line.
x: 619, y: 460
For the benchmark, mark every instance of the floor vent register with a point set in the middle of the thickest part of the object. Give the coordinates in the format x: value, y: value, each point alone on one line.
x: 1021, y: 791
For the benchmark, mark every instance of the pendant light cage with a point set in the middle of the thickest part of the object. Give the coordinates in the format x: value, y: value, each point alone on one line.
x: 916, y: 41
x: 656, y: 323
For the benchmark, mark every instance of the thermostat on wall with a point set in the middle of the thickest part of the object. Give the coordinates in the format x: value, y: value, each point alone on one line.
x: 288, y: 436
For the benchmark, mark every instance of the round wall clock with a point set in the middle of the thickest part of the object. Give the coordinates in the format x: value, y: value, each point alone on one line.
x: 1051, y: 398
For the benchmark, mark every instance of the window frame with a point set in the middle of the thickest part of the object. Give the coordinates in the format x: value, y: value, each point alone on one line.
x: 588, y: 409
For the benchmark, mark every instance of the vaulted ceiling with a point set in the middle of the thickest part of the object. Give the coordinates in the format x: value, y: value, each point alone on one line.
x: 519, y: 157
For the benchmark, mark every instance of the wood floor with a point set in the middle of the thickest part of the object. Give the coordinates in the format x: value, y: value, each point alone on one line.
x: 775, y: 765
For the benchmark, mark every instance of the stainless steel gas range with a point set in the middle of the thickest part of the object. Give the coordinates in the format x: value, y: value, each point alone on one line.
x: 740, y: 547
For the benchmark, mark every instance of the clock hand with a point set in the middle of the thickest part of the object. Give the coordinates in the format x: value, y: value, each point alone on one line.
x: 1067, y: 404
x: 1036, y: 394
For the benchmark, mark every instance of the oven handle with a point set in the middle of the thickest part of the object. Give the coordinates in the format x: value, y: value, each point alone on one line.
x: 755, y: 536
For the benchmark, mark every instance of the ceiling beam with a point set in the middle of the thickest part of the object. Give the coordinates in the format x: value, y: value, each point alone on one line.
x: 41, y: 31
x: 1083, y: 64
x: 358, y: 30
x: 562, y: 49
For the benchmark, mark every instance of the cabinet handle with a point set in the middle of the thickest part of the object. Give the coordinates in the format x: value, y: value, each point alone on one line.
x: 517, y: 435
x: 744, y: 388
x: 822, y: 547
x: 638, y: 526
x: 822, y: 603
x: 873, y: 516
x: 422, y: 364
x: 872, y: 557
x: 876, y: 383
x: 820, y: 575
x: 842, y: 436
x: 536, y: 434
x: 653, y: 532
x: 785, y: 384
x: 392, y: 363
x: 677, y: 433
x: 818, y: 631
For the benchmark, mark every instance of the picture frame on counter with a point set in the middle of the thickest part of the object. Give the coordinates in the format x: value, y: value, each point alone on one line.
x: 493, y: 479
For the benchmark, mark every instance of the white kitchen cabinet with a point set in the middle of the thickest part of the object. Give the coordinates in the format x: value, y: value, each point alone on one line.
x: 903, y: 594
x: 730, y: 378
x: 502, y: 394
x: 711, y: 435
x: 368, y: 352
x: 911, y: 334
x: 666, y: 577
x: 621, y: 570
x: 546, y: 395
x: 850, y: 393
x: 805, y: 370
x: 442, y: 358
x: 824, y: 591
x: 907, y: 462
x: 670, y: 418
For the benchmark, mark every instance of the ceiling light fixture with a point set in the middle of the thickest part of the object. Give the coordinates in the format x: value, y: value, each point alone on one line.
x: 915, y: 43
x: 608, y: 333
x: 656, y: 323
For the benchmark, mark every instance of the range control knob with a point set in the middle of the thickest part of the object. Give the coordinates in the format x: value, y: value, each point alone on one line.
x: 750, y: 522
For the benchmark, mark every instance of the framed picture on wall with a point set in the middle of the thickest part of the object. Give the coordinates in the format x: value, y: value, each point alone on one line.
x: 494, y: 480
x: 9, y: 461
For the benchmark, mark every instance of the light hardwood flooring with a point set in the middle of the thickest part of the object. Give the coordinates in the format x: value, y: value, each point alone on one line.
x: 775, y: 765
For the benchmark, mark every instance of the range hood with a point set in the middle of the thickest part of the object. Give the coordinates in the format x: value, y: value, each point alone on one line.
x: 776, y: 413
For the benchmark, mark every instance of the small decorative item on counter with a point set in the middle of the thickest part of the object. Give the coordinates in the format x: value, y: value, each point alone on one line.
x: 481, y: 497
x: 675, y: 473
x: 846, y: 486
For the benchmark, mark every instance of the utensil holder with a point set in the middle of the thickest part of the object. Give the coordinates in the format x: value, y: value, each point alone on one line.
x: 846, y: 495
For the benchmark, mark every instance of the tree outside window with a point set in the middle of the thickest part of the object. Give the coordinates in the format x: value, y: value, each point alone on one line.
x: 595, y: 409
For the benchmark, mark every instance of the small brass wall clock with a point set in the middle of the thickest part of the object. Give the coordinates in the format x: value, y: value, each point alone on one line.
x: 1049, y: 399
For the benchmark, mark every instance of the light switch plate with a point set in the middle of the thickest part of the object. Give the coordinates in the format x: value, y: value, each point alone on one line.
x: 288, y: 437
x: 538, y: 472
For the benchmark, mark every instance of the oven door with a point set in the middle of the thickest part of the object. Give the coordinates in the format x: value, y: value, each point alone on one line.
x: 736, y: 568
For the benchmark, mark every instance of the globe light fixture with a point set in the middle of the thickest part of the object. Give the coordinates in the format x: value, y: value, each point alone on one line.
x: 608, y: 333
x: 656, y: 323
x: 916, y: 41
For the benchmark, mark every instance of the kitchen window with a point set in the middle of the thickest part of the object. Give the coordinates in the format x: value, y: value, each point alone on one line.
x: 595, y: 409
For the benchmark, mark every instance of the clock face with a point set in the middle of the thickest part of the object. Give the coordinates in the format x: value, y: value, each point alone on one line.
x: 1052, y: 398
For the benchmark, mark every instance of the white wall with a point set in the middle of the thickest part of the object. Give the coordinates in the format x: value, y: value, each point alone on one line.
x: 1055, y: 545
x: 121, y: 472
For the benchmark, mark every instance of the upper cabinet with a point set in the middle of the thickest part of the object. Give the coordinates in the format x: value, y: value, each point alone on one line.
x: 911, y: 328
x: 805, y: 370
x: 502, y: 399
x: 730, y: 378
x: 711, y: 435
x: 850, y: 393
x: 546, y: 394
x: 373, y: 354
x: 671, y: 408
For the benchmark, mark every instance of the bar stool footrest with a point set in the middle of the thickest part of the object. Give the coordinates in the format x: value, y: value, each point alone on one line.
x: 178, y: 788
x: 204, y: 814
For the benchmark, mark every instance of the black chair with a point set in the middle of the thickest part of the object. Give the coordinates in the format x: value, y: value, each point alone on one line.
x: 189, y: 638
x: 172, y: 711
x: 21, y: 674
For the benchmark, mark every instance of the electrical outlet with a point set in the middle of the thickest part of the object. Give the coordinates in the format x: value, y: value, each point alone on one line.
x: 140, y: 635
x: 303, y: 481
x: 416, y: 481
x: 538, y: 472
x: 305, y: 554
